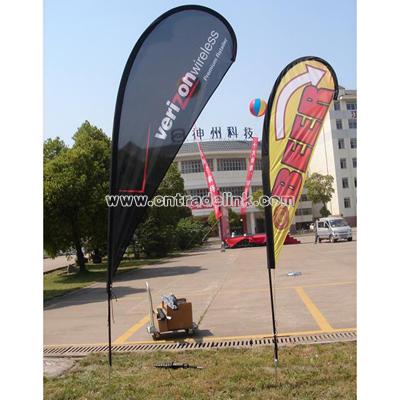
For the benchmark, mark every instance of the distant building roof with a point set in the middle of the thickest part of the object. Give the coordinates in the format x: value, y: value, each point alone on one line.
x: 217, y: 145
x: 347, y: 94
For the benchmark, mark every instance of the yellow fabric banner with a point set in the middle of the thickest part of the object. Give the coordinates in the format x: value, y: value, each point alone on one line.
x: 297, y: 107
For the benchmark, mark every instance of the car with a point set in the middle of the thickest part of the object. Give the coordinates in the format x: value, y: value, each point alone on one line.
x: 333, y: 229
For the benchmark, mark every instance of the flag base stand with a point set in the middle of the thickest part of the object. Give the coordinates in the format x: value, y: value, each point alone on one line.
x: 276, y: 365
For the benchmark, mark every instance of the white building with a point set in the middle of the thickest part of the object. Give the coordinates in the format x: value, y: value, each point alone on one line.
x: 336, y: 154
x: 229, y: 161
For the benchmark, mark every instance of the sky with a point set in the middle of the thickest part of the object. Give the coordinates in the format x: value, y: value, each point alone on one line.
x: 87, y: 43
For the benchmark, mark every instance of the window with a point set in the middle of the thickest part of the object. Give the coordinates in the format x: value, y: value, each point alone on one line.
x: 304, y: 211
x: 258, y: 164
x: 234, y: 190
x: 343, y: 164
x: 352, y: 124
x: 351, y: 106
x: 345, y: 183
x: 337, y: 223
x: 339, y: 124
x: 355, y: 181
x: 198, y: 192
x: 303, y: 197
x: 353, y: 143
x: 354, y: 162
x: 347, y: 202
x: 191, y: 166
x: 194, y: 166
x: 336, y: 105
x: 341, y: 143
x: 232, y: 195
x: 231, y: 164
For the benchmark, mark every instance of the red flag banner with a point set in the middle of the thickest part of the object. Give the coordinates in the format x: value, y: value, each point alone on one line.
x: 212, y: 186
x: 250, y: 170
x: 225, y: 227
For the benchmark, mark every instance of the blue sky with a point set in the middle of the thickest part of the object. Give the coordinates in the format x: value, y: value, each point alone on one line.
x: 87, y: 43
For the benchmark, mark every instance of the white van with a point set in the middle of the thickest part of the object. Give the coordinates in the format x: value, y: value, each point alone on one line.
x: 333, y: 229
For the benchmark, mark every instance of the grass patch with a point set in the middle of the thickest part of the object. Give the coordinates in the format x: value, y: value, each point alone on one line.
x: 60, y: 282
x: 306, y: 372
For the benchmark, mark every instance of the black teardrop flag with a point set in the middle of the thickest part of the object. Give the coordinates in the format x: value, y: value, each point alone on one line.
x: 173, y: 70
x: 170, y: 75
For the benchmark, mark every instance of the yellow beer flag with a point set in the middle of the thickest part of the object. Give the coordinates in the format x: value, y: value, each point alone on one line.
x: 297, y: 106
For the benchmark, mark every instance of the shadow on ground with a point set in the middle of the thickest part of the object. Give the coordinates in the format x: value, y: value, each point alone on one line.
x: 95, y: 294
x: 88, y: 295
x: 153, y: 272
x: 198, y: 336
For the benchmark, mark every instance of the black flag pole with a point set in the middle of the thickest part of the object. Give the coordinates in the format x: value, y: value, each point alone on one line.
x: 109, y: 324
x: 271, y: 265
x: 270, y: 235
x: 110, y: 238
x: 273, y: 319
x: 109, y: 278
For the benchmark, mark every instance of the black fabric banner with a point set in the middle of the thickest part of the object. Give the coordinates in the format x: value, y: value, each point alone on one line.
x: 173, y: 70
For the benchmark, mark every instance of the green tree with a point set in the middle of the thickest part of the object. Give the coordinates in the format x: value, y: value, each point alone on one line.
x: 75, y: 184
x: 156, y: 235
x: 235, y: 222
x: 52, y: 148
x: 319, y: 190
x: 189, y: 232
x: 256, y: 198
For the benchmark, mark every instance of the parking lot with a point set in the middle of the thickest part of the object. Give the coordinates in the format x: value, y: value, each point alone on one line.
x: 229, y: 295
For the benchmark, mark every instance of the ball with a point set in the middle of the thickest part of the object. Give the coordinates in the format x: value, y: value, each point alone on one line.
x: 258, y: 107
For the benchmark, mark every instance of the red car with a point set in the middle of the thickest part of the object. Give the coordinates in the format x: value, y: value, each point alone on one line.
x: 259, y: 239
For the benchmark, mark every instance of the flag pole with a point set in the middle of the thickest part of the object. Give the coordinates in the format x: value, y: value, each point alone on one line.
x: 109, y: 275
x: 270, y: 246
x: 271, y: 265
x: 273, y: 319
x: 109, y: 324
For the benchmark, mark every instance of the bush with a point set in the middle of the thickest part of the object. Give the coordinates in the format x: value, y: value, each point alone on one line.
x: 189, y: 233
x: 155, y: 239
x: 155, y: 236
x: 235, y: 223
x: 324, y: 212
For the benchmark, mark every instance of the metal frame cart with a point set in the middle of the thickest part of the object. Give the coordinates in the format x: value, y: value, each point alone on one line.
x: 168, y: 319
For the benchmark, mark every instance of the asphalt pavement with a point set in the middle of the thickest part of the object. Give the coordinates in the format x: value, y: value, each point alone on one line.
x: 229, y: 295
x: 52, y: 264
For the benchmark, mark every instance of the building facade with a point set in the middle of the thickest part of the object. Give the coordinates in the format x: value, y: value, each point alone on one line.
x: 229, y: 162
x: 336, y: 154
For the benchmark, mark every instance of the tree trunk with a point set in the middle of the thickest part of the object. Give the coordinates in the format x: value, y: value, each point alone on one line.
x: 80, y: 257
x: 136, y: 251
x: 96, y: 256
x: 78, y: 246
